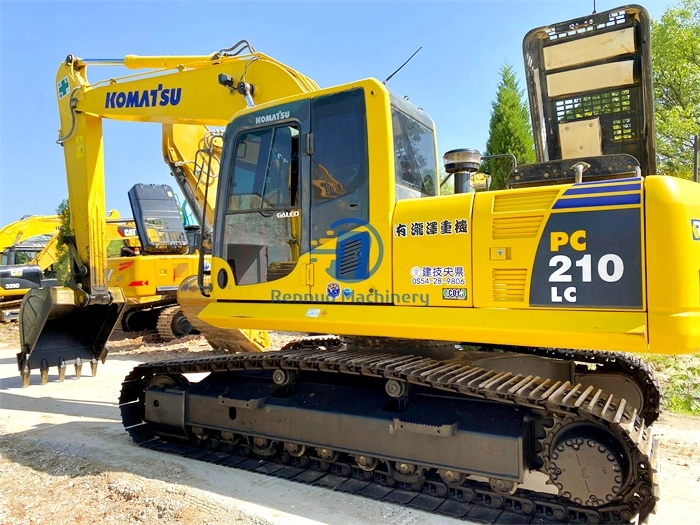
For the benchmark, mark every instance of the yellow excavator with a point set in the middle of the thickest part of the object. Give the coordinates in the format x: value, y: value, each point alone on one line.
x: 27, y: 227
x: 486, y: 358
x: 28, y: 254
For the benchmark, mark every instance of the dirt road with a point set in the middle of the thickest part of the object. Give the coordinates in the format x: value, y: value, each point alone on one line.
x: 66, y: 459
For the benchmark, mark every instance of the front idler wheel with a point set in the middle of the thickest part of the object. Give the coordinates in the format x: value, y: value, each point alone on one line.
x: 587, y: 465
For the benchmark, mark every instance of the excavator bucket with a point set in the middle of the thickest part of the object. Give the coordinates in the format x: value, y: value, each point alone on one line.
x: 55, y: 331
x: 192, y: 302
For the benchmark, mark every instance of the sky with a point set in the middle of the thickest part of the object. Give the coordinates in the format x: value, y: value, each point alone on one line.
x: 465, y: 43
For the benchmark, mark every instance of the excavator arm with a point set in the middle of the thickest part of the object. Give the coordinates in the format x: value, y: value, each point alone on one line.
x: 171, y: 90
x: 193, y: 154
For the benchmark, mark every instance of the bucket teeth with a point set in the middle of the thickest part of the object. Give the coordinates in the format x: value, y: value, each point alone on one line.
x: 25, y: 373
x: 78, y: 367
x: 44, y: 369
x: 61, y: 369
x: 93, y: 367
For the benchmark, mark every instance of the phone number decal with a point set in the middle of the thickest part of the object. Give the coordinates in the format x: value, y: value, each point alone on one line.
x: 437, y: 275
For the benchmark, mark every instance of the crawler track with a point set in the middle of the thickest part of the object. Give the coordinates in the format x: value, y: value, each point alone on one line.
x: 559, y: 406
x: 632, y: 367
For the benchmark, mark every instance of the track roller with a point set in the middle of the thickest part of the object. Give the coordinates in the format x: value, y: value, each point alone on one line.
x: 263, y: 447
x: 396, y: 388
x: 294, y: 449
x: 283, y: 377
x: 452, y: 477
x: 503, y: 486
x: 327, y: 455
x: 366, y: 463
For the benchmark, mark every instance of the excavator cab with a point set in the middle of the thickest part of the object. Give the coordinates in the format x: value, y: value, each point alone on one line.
x: 158, y: 220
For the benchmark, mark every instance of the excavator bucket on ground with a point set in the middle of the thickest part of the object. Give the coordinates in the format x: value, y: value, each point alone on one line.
x: 55, y: 331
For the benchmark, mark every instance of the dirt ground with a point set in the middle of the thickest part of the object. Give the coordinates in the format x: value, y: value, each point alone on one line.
x: 66, y: 459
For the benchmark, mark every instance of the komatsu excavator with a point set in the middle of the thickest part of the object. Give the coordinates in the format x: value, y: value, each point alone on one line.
x: 478, y: 369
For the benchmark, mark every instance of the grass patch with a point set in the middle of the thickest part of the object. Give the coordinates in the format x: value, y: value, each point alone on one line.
x: 680, y: 376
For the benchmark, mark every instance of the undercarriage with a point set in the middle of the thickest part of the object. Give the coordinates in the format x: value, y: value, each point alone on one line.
x: 461, y: 435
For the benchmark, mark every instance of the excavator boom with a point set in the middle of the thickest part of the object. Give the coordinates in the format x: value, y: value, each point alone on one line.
x: 195, y: 90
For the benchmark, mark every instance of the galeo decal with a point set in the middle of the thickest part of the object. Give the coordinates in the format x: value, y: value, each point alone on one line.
x: 273, y: 117
x: 589, y: 260
x: 286, y: 214
x: 147, y: 98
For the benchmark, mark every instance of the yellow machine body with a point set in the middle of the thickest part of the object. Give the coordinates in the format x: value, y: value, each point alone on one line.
x: 604, y: 265
x: 150, y: 276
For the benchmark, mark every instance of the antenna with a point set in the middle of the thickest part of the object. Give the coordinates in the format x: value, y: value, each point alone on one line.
x: 407, y: 61
x: 594, y: 11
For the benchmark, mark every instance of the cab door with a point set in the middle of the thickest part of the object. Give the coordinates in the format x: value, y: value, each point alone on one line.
x: 261, y: 205
x: 339, y: 196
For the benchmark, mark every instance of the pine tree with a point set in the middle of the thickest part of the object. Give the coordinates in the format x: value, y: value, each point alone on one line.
x: 509, y: 130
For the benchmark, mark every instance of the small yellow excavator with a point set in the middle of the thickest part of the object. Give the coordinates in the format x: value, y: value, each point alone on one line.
x: 27, y: 227
x: 487, y: 342
x: 28, y: 254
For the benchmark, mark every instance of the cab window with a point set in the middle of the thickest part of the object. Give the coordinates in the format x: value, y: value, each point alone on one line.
x: 263, y: 219
x: 266, y: 171
x: 414, y: 157
x: 339, y: 162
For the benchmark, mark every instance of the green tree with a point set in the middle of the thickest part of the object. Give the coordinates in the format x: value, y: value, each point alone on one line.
x: 676, y: 74
x: 509, y: 130
x: 62, y: 264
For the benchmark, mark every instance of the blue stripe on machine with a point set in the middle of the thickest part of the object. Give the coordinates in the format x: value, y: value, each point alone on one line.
x: 604, y: 200
x: 603, y: 189
x: 614, y: 181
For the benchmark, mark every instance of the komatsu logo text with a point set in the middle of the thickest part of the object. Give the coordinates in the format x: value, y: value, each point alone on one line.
x: 147, y: 98
x: 280, y: 115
